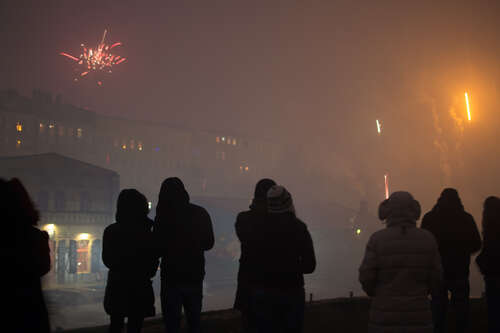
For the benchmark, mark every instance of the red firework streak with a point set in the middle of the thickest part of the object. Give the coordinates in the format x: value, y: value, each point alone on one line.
x: 99, y: 58
x: 386, y: 181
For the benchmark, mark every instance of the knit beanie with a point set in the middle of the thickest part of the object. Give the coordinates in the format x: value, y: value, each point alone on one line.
x: 279, y: 200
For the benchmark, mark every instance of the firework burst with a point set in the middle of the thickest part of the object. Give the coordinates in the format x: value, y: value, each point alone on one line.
x: 96, y: 59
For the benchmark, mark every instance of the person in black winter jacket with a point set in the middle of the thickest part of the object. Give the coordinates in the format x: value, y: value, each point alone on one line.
x: 128, y: 253
x: 32, y: 258
x: 245, y: 227
x: 183, y: 232
x: 488, y: 260
x: 458, y: 238
x: 281, y: 253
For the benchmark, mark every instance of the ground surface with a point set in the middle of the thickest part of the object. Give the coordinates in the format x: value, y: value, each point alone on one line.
x: 336, y: 315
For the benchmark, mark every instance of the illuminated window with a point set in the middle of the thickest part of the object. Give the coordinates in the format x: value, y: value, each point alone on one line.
x: 241, y: 168
x: 51, y: 126
x: 139, y: 145
x: 132, y: 144
x: 79, y: 132
x: 246, y: 168
x: 217, y: 139
x: 234, y: 142
x: 19, y: 127
x: 229, y: 140
x: 82, y: 251
x: 18, y: 143
x: 223, y: 138
x: 223, y: 155
x: 150, y: 204
x: 124, y: 146
x: 42, y: 128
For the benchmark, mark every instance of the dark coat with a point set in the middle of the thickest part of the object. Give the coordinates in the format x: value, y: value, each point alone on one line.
x: 280, y: 252
x: 457, y: 237
x: 182, y: 235
x: 244, y: 226
x: 129, y: 254
x: 32, y: 262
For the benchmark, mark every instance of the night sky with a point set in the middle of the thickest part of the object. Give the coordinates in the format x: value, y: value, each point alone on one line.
x: 315, y: 73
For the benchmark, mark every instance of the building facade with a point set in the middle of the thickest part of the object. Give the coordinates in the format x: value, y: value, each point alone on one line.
x: 144, y: 153
x: 76, y: 201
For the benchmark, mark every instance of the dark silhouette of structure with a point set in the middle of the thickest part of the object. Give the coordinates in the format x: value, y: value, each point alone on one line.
x: 400, y: 266
x: 244, y: 226
x: 32, y: 257
x: 280, y: 250
x: 458, y: 238
x: 488, y: 260
x: 129, y: 254
x: 183, y: 232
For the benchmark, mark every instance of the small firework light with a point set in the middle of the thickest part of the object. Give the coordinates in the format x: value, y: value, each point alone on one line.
x: 467, y: 105
x: 96, y: 59
x: 379, y: 127
x: 386, y: 184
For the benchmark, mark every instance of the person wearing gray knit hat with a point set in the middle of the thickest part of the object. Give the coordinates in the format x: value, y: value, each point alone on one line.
x: 401, y: 266
x: 280, y: 252
x: 279, y: 200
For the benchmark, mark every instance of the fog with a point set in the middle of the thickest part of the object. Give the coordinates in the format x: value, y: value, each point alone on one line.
x: 312, y: 77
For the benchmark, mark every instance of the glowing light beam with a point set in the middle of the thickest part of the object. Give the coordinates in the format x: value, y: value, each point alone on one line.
x: 379, y: 127
x: 386, y: 182
x: 467, y: 104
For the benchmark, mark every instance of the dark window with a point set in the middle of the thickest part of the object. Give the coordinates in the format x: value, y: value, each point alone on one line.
x: 43, y: 200
x: 60, y: 201
x: 84, y: 201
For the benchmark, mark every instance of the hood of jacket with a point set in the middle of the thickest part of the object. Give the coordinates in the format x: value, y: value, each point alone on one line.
x: 400, y: 208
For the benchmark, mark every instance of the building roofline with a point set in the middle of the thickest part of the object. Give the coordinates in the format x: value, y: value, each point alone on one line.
x: 20, y: 157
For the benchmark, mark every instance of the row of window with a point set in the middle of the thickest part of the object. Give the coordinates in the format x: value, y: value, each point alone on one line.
x: 228, y: 140
x: 51, y: 127
x: 130, y: 145
x: 60, y: 202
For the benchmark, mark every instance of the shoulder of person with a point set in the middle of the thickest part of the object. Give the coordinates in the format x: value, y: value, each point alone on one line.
x: 301, y: 225
x: 196, y: 209
x: 242, y: 216
x: 111, y: 227
x: 39, y: 234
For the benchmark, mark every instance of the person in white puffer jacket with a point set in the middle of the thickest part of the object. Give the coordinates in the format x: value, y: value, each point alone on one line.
x: 400, y: 269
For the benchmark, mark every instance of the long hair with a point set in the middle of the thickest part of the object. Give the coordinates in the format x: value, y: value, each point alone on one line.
x: 491, y: 220
x: 19, y: 204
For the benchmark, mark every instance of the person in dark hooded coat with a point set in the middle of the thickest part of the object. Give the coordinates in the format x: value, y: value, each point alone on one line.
x: 32, y: 258
x: 458, y: 238
x: 281, y: 253
x: 245, y: 227
x: 488, y: 260
x: 183, y: 232
x: 128, y: 253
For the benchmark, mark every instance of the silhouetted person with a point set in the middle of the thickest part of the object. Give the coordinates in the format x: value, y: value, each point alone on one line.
x: 489, y: 260
x: 183, y: 232
x: 32, y: 258
x: 400, y: 268
x: 128, y: 252
x: 281, y: 251
x: 245, y: 226
x: 458, y: 238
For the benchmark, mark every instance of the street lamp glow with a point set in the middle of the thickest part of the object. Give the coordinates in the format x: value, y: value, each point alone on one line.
x: 467, y: 103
